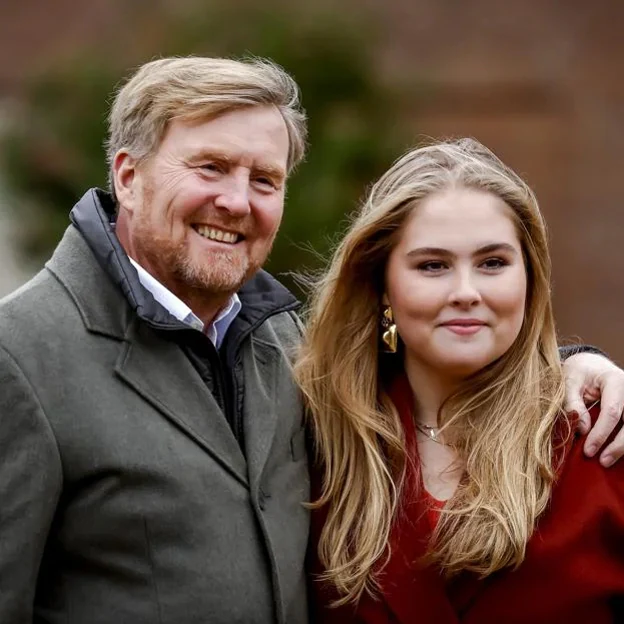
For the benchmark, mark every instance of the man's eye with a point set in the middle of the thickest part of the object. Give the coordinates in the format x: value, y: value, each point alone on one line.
x: 211, y: 167
x: 265, y: 181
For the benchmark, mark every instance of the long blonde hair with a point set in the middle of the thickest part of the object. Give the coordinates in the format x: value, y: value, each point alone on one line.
x: 500, y: 423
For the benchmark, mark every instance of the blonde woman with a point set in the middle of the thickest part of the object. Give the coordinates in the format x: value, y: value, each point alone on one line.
x: 451, y: 486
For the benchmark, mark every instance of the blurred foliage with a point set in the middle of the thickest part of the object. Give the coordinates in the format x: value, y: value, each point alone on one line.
x: 53, y: 151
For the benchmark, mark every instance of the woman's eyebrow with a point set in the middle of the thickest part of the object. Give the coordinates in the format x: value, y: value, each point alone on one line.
x: 441, y: 251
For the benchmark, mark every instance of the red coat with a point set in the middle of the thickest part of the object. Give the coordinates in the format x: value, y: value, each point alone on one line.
x: 573, y: 572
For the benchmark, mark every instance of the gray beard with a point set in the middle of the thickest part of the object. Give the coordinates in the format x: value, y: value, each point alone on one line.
x: 223, y: 274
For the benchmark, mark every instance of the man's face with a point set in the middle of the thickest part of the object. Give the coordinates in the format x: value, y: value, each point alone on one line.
x: 204, y: 209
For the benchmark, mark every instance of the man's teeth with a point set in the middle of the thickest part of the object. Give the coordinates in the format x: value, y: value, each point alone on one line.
x: 218, y: 235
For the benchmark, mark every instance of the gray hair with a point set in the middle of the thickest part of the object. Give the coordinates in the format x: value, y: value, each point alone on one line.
x: 193, y: 88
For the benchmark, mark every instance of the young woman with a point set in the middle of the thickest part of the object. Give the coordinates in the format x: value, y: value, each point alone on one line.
x: 450, y: 486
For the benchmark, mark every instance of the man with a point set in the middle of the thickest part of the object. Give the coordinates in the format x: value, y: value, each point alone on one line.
x: 152, y: 453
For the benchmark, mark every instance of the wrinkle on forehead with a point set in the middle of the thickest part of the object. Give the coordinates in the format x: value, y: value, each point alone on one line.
x: 254, y: 136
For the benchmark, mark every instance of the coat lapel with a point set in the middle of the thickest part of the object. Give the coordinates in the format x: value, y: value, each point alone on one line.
x: 159, y: 371
x: 156, y: 369
x: 260, y: 415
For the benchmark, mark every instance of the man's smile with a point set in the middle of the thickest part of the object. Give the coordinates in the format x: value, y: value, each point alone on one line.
x: 216, y: 234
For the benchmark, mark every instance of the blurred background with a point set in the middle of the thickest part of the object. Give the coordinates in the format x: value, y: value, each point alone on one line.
x: 539, y: 81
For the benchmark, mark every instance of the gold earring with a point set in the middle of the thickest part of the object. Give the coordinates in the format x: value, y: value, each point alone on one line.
x: 389, y: 336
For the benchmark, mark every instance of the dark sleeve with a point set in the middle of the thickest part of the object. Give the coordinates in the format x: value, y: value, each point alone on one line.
x: 30, y: 485
x: 568, y: 350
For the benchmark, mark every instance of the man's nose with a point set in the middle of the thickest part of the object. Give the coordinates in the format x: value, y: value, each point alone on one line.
x: 233, y: 196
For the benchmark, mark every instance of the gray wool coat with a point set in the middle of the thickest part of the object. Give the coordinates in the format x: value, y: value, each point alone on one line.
x: 124, y: 495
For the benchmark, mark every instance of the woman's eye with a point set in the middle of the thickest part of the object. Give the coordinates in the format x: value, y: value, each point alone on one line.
x: 492, y: 264
x: 433, y: 266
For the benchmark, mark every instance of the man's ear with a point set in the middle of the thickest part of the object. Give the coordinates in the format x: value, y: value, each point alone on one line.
x: 126, y: 180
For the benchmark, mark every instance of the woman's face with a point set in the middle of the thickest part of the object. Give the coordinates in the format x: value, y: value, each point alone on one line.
x: 456, y: 281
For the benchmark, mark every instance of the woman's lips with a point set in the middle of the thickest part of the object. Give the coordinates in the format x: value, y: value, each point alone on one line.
x: 464, y: 327
x: 464, y: 330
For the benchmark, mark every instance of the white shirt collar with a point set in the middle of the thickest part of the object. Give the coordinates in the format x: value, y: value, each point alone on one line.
x: 218, y: 328
x: 215, y: 331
